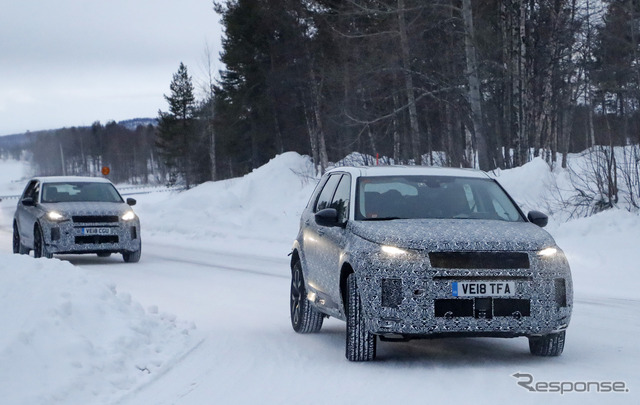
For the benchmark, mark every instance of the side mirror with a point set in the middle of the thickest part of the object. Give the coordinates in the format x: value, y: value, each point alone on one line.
x: 538, y: 218
x: 131, y: 201
x: 327, y: 217
x: 28, y: 202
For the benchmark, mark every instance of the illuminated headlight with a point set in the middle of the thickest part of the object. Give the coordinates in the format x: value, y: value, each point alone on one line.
x: 393, y: 251
x: 55, y: 216
x: 548, y: 252
x: 128, y: 216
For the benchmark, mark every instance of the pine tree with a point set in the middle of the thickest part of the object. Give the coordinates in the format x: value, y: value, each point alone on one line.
x: 177, y: 133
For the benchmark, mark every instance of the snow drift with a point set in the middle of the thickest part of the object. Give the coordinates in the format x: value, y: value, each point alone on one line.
x: 67, y: 337
x: 263, y: 206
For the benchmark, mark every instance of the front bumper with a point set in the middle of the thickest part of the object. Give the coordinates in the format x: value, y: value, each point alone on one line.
x: 72, y: 237
x: 410, y: 299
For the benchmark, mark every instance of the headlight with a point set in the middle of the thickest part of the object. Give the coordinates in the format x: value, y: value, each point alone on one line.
x: 548, y: 252
x: 393, y: 251
x: 128, y: 216
x: 54, y: 216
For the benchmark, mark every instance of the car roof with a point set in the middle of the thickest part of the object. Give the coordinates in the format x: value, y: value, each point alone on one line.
x: 366, y: 171
x: 71, y: 179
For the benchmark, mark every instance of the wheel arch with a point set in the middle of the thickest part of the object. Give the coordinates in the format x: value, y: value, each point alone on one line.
x: 295, y: 257
x: 345, y: 270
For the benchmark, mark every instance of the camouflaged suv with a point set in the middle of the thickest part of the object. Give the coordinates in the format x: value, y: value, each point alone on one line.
x: 75, y: 215
x: 408, y: 252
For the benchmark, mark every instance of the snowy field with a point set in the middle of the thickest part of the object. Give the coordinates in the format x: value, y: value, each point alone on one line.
x: 203, y: 317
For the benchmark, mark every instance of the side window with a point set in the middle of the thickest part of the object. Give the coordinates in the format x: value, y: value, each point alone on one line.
x: 326, y: 195
x: 314, y: 196
x: 32, y: 191
x: 341, y: 198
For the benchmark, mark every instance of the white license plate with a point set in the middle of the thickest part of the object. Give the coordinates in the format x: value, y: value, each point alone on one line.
x: 483, y: 288
x: 96, y: 231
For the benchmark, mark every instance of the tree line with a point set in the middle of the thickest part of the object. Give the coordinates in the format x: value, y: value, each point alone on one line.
x: 129, y: 154
x: 492, y: 83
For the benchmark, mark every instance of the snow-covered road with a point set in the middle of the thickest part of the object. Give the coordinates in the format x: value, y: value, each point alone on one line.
x: 249, y: 353
x: 235, y: 290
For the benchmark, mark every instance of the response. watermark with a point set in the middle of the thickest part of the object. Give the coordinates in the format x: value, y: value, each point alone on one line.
x: 527, y: 382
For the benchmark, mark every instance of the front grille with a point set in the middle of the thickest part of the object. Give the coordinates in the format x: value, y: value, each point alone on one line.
x: 95, y: 219
x: 479, y: 260
x: 511, y: 307
x: 453, y: 307
x: 482, y: 307
x: 391, y: 292
x: 96, y: 239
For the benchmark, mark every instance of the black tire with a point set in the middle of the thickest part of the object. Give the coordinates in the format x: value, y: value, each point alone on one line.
x: 132, y: 257
x: 547, y: 345
x: 39, y: 247
x: 104, y: 254
x: 18, y: 247
x: 304, y: 317
x: 360, y: 344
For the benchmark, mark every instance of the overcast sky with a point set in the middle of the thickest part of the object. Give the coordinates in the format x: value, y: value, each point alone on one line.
x: 73, y: 62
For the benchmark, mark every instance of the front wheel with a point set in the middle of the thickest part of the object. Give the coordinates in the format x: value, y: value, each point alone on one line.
x: 132, y: 257
x: 304, y: 317
x: 361, y: 344
x: 39, y: 247
x: 547, y: 345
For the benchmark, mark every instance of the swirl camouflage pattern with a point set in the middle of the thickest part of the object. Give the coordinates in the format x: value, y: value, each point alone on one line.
x: 404, y: 253
x: 58, y: 215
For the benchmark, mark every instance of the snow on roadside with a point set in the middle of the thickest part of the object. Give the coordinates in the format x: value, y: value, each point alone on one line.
x: 603, y: 253
x: 68, y: 337
x: 264, y: 206
x: 602, y: 249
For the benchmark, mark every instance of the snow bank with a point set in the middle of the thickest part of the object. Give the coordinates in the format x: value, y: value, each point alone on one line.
x: 67, y: 337
x: 264, y: 205
x: 603, y: 253
x: 12, y: 174
x: 602, y: 249
x: 529, y: 184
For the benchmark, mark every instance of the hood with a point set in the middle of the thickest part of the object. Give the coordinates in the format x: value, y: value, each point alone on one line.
x: 454, y: 234
x: 87, y: 208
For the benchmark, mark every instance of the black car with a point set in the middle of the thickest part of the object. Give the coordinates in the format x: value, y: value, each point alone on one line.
x: 402, y: 253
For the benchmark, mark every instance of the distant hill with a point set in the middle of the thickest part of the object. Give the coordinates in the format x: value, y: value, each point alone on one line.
x: 136, y: 122
x: 130, y: 124
x: 16, y: 143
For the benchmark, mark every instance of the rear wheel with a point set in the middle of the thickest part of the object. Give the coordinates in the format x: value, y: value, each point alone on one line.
x: 39, y: 247
x: 361, y: 344
x: 304, y: 317
x: 17, y: 243
x: 547, y: 345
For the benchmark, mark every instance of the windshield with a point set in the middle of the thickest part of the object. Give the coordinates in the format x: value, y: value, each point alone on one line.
x: 446, y: 197
x: 79, y: 192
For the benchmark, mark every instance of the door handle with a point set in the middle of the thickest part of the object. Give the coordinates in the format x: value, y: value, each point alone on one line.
x: 320, y: 232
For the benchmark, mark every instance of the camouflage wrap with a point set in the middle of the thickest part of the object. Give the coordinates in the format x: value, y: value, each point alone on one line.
x: 127, y: 232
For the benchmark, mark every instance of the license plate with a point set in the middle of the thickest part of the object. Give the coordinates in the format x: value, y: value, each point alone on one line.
x: 483, y: 288
x: 96, y: 231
